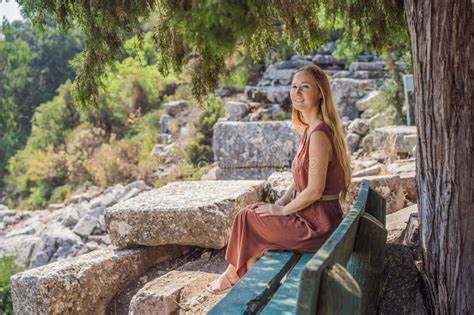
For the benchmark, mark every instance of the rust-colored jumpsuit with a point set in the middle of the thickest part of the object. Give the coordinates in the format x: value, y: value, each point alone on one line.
x: 303, y: 231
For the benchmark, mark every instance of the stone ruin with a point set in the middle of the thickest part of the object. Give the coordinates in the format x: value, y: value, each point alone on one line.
x: 158, y: 226
x: 81, y: 256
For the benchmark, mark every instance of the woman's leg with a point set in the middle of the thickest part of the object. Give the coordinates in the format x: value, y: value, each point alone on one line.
x: 237, y: 243
x: 252, y: 261
x: 229, y: 277
x: 231, y: 274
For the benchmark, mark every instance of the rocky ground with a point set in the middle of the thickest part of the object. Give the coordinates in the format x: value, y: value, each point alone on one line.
x: 67, y: 230
x: 202, y: 264
x: 174, y: 278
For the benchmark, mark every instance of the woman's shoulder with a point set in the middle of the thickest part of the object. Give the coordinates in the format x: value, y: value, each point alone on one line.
x: 322, y: 126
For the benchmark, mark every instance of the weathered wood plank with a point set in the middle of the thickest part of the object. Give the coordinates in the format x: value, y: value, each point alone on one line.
x: 366, y: 262
x: 261, y: 300
x: 337, y: 249
x: 261, y: 280
x: 376, y: 206
x: 284, y: 300
x: 340, y: 293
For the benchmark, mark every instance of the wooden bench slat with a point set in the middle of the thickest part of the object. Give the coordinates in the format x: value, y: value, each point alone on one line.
x: 337, y: 249
x: 284, y: 300
x: 376, y: 206
x: 257, y: 284
x: 340, y: 292
x: 366, y: 263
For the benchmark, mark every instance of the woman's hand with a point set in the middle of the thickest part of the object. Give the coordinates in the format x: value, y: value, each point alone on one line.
x: 268, y: 209
x: 281, y: 202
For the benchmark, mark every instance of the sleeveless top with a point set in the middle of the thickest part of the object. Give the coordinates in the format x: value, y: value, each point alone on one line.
x: 299, y: 166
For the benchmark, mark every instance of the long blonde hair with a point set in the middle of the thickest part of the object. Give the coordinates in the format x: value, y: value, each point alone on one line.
x: 331, y: 118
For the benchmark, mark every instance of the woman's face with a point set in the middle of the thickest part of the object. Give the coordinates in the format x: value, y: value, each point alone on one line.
x: 304, y: 92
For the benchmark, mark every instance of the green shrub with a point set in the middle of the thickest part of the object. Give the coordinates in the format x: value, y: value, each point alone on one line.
x: 36, y: 170
x: 37, y: 198
x: 145, y: 133
x: 183, y: 91
x: 236, y: 79
x: 34, y: 175
x: 280, y: 52
x: 280, y: 115
x: 81, y: 144
x: 64, y: 136
x: 190, y: 172
x: 114, y: 162
x: 53, y: 120
x: 7, y: 269
x: 240, y: 66
x: 61, y: 193
x: 199, y: 151
x: 390, y: 89
x: 198, y: 154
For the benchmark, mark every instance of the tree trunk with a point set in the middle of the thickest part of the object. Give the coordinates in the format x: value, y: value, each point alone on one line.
x: 441, y: 37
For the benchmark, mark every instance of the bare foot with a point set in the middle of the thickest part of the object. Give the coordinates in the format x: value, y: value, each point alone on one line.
x: 222, y: 284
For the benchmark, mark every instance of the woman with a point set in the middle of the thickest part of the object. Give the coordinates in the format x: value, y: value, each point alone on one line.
x: 309, y: 211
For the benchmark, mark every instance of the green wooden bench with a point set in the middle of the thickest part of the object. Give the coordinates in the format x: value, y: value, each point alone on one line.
x: 343, y: 277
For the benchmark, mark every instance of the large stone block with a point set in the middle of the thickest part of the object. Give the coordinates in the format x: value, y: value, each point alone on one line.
x: 235, y: 110
x: 239, y: 173
x: 277, y: 184
x: 370, y: 100
x: 279, y: 76
x: 397, y: 222
x: 20, y: 246
x: 347, y: 92
x: 352, y: 140
x: 389, y: 186
x: 187, y: 213
x: 279, y: 94
x: 395, y: 136
x: 84, y: 284
x: 408, y: 181
x: 57, y: 242
x: 367, y: 66
x: 406, y: 169
x: 165, y: 295
x: 254, y: 144
x: 175, y: 107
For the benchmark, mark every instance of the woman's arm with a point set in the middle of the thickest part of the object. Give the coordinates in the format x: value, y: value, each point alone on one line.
x: 286, y: 198
x: 319, y: 153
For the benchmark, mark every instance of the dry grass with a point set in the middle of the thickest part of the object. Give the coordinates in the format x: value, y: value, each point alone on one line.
x: 390, y: 150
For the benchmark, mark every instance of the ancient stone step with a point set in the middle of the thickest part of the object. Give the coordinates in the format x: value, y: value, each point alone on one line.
x: 177, y: 291
x: 185, y: 212
x: 84, y: 284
